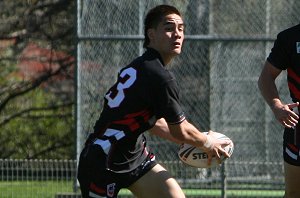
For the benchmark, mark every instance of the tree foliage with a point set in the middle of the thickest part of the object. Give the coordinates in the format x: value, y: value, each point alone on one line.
x: 36, y: 79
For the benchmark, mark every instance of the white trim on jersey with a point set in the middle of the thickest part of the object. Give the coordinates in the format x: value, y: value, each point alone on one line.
x: 91, y: 194
x: 105, y: 144
x: 291, y: 154
x: 113, y: 132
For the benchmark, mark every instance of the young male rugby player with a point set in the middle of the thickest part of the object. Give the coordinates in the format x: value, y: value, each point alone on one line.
x: 285, y: 55
x: 144, y: 98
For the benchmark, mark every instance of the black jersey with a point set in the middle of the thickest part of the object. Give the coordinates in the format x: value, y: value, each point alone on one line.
x: 145, y: 91
x: 285, y: 55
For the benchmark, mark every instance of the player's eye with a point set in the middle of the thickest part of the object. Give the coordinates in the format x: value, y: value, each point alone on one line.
x: 181, y: 28
x: 169, y: 29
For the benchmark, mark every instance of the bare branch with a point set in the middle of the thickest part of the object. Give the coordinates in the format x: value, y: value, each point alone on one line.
x: 59, y: 143
x: 26, y: 111
x: 26, y: 87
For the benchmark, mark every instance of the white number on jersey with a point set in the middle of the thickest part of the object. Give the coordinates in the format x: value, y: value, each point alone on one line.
x: 119, y: 97
x: 105, y: 144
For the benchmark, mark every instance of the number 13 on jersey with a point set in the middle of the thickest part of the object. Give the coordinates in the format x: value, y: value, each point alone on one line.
x: 116, y: 96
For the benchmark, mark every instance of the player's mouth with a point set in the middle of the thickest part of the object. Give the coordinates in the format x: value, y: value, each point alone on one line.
x: 177, y: 44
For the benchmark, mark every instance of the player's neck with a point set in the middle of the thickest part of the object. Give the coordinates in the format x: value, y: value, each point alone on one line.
x: 166, y: 57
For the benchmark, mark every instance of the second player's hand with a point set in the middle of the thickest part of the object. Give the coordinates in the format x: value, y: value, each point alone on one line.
x: 285, y: 115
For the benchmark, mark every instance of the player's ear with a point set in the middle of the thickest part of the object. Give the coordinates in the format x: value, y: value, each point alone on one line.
x: 151, y: 34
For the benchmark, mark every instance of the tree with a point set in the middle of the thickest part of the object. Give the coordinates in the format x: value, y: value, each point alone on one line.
x: 37, y: 42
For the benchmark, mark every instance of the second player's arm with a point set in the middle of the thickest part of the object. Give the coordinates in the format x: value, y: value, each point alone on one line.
x: 268, y: 89
x: 267, y: 86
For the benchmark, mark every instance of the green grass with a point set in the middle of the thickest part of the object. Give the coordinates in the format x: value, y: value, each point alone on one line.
x: 234, y: 193
x: 229, y: 193
x: 29, y: 189
x: 48, y: 189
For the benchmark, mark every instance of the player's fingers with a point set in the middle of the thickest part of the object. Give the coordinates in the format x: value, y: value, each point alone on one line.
x: 218, y: 156
x: 224, y: 143
x: 210, y: 132
x: 287, y: 123
x: 283, y: 123
x: 293, y: 105
x: 293, y: 115
x: 293, y: 120
x: 224, y: 152
x: 209, y: 159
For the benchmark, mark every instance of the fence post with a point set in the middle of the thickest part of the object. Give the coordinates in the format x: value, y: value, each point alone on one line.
x: 223, y: 180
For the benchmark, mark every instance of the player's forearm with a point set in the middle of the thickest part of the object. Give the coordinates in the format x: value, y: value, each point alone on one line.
x: 270, y: 94
x: 188, y: 133
x: 161, y: 129
x: 267, y: 86
x: 269, y: 91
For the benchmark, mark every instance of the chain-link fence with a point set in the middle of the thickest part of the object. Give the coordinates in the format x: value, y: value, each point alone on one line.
x: 226, y: 44
x: 23, y: 178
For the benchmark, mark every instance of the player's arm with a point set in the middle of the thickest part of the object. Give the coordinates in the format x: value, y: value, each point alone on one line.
x: 267, y: 86
x: 269, y: 91
x: 161, y: 129
x: 180, y: 133
x: 187, y: 133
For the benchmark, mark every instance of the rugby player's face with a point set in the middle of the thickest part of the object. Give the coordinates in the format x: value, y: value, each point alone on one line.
x: 168, y: 37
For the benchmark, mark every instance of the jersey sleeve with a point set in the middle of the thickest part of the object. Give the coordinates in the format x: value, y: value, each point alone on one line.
x: 165, y: 100
x: 279, y: 55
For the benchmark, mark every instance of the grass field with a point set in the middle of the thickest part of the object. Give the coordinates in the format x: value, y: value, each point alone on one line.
x: 49, y: 189
x: 30, y: 189
x: 230, y: 193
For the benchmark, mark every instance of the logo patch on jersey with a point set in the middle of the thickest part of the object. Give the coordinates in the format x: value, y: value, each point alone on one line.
x: 298, y: 47
x: 111, y: 189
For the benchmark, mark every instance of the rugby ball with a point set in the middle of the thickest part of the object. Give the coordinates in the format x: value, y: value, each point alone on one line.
x: 194, y: 156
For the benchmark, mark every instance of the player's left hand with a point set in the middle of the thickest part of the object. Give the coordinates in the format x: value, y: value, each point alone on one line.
x: 285, y: 115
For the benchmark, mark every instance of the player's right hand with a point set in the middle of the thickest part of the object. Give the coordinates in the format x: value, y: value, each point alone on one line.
x: 214, y: 147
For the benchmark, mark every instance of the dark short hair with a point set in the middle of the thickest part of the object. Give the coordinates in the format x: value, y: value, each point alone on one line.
x: 155, y: 16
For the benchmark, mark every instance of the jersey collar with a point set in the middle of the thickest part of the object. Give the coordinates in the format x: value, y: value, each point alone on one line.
x: 150, y: 52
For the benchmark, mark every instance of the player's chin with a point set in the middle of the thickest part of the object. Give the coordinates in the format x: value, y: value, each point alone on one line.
x: 176, y: 51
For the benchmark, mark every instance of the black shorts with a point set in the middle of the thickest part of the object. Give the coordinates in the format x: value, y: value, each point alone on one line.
x: 291, y: 146
x: 96, y: 181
